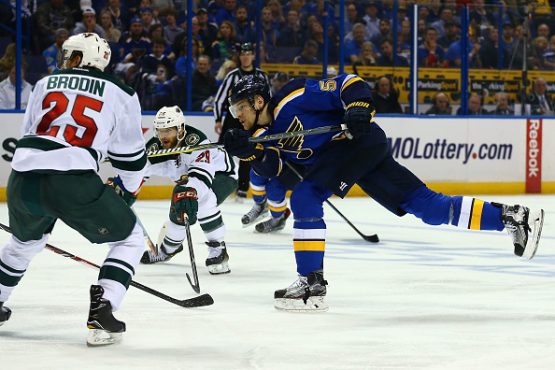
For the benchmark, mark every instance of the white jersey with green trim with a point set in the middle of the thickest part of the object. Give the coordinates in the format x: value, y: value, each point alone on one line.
x: 78, y: 117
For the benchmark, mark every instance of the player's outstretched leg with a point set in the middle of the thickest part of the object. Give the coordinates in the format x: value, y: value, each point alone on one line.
x: 5, y: 313
x: 104, y: 328
x: 217, y: 261
x: 274, y: 223
x: 524, y: 227
x: 258, y: 211
x: 307, y: 293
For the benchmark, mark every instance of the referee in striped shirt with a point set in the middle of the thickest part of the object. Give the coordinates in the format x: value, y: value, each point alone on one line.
x: 221, y: 105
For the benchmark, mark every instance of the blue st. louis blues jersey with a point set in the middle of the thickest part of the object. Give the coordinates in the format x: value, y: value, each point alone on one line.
x: 305, y: 104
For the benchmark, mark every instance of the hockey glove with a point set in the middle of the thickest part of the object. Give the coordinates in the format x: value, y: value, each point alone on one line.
x: 358, y: 117
x: 236, y: 142
x: 116, y: 184
x: 184, y: 205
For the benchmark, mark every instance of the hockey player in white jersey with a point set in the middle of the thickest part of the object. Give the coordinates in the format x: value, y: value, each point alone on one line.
x: 77, y: 117
x: 203, y: 179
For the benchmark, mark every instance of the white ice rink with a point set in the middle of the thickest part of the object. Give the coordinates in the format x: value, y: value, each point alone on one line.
x: 424, y: 298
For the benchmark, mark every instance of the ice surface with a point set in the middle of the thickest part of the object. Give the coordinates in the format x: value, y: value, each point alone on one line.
x: 424, y: 298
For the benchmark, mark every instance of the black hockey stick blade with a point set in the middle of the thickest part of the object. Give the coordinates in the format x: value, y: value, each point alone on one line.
x: 371, y: 238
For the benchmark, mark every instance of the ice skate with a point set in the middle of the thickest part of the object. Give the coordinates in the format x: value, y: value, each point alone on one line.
x: 217, y: 261
x: 524, y: 227
x: 306, y: 294
x: 5, y: 313
x: 150, y: 257
x: 104, y: 328
x: 240, y: 196
x: 257, y: 212
x: 273, y: 224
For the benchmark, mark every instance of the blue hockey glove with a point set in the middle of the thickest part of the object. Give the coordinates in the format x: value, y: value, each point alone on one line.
x: 184, y: 204
x: 117, y: 185
x: 236, y: 142
x: 358, y: 117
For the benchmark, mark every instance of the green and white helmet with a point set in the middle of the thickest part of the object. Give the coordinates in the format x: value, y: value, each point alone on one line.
x: 94, y: 50
x: 168, y: 117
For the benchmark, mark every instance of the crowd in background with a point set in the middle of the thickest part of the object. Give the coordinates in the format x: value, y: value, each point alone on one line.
x: 148, y: 39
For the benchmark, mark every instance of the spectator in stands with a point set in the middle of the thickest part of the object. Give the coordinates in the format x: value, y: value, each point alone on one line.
x: 480, y: 17
x: 7, y: 90
x: 208, y: 32
x: 430, y: 54
x: 404, y: 39
x: 277, y: 12
x: 354, y: 46
x: 452, y: 34
x: 50, y: 16
x: 474, y: 106
x: 385, y: 33
x: 502, y: 108
x: 386, y: 57
x: 147, y: 16
x: 539, y: 47
x: 385, y: 99
x: 88, y: 24
x: 50, y: 54
x: 223, y: 47
x: 543, y: 31
x: 440, y: 105
x: 371, y: 20
x: 157, y: 90
x: 454, y: 52
x: 226, y: 12
x: 171, y: 29
x: 151, y: 61
x: 308, y: 54
x: 445, y: 17
x: 135, y: 42
x: 278, y: 81
x: 111, y: 33
x: 162, y: 5
x: 316, y: 33
x: 540, y: 102
x: 181, y: 62
x: 351, y: 16
x: 204, y: 84
x: 119, y: 14
x: 270, y: 33
x: 7, y: 61
x: 367, y: 56
x: 489, y: 51
x: 291, y: 35
x: 243, y: 27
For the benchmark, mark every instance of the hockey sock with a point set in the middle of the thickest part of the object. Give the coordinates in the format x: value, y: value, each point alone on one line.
x: 465, y: 212
x: 309, y: 229
x: 277, y: 208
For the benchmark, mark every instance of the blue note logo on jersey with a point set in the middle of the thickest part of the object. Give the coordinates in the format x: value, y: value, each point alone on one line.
x: 295, y: 144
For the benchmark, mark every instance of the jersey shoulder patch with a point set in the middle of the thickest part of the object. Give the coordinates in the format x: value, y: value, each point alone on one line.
x: 153, y: 144
x: 193, y: 136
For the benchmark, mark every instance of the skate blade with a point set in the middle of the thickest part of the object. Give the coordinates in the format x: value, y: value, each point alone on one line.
x: 221, y: 268
x: 536, y: 225
x: 262, y: 217
x: 99, y: 337
x: 313, y: 304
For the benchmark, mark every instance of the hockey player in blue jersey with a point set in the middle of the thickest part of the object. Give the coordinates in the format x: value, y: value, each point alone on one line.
x: 334, y: 163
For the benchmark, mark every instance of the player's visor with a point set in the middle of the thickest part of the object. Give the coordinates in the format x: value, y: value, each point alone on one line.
x: 239, y: 107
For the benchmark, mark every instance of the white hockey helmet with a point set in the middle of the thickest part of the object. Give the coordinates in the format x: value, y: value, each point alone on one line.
x: 94, y: 49
x: 168, y: 117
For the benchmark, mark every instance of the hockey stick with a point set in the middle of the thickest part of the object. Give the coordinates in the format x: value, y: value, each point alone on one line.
x: 201, y: 300
x: 196, y: 285
x: 149, y: 243
x: 369, y: 238
x: 261, y: 139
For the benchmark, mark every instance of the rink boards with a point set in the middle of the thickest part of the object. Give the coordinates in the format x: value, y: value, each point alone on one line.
x: 453, y: 155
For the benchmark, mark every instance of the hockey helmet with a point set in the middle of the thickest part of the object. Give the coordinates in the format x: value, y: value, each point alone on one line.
x: 94, y: 50
x: 168, y: 117
x: 247, y: 88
